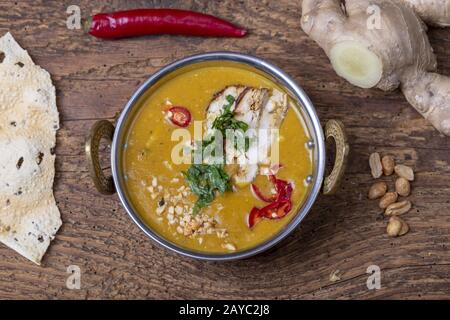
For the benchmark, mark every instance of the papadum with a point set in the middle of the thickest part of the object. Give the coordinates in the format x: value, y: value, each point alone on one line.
x: 29, y: 217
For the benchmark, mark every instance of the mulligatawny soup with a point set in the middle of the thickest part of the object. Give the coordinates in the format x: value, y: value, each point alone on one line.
x: 215, y: 207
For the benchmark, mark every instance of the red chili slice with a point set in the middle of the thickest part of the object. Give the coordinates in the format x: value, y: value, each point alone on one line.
x: 279, y: 205
x: 179, y: 116
x: 284, y: 190
x: 254, y: 217
x: 260, y: 196
x: 276, y: 210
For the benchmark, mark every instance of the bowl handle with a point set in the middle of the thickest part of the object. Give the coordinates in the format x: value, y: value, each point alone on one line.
x: 335, y: 130
x: 101, y: 129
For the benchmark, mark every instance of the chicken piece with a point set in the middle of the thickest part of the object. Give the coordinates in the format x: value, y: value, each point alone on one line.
x: 249, y: 106
x: 271, y: 118
x: 248, y: 109
x: 216, y: 106
x: 259, y: 109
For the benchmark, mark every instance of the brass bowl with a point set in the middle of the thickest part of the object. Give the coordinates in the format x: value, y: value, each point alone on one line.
x: 334, y: 131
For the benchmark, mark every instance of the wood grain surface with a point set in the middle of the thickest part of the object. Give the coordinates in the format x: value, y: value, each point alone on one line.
x: 94, y: 80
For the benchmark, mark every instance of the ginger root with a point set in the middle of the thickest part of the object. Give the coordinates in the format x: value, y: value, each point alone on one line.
x: 395, y: 53
x: 434, y: 12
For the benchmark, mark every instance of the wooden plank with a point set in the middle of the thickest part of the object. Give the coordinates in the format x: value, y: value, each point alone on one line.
x: 95, y: 78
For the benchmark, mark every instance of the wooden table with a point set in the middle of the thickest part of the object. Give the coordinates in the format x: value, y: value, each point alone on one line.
x: 94, y: 79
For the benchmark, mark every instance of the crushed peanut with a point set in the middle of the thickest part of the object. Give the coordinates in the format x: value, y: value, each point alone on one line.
x: 229, y: 247
x: 173, y: 205
x: 154, y: 182
x: 167, y: 165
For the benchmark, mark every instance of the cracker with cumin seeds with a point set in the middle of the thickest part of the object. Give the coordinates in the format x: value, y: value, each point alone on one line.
x: 29, y: 217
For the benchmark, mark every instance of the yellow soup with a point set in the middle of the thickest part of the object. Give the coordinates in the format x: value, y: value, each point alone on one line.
x: 158, y: 189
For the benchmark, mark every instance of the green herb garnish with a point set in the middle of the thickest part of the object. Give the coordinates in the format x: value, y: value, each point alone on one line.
x: 205, y: 180
x: 226, y: 120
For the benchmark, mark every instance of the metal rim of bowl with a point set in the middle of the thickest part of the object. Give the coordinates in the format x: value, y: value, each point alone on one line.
x: 267, y: 68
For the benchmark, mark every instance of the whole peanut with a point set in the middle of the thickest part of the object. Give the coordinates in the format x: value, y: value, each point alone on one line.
x: 388, y: 164
x: 388, y: 199
x: 375, y: 165
x: 397, y: 227
x: 398, y: 208
x: 404, y: 172
x: 393, y: 228
x: 403, y: 187
x: 377, y: 190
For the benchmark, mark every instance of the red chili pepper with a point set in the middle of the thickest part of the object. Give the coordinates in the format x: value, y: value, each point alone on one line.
x: 279, y: 205
x: 276, y: 210
x: 179, y: 116
x: 260, y: 196
x: 284, y: 190
x: 142, y: 22
x: 254, y: 217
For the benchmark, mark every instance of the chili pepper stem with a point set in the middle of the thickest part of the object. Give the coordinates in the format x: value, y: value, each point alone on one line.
x: 86, y: 24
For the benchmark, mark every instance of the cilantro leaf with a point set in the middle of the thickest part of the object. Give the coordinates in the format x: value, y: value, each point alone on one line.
x: 205, y: 180
x: 226, y: 120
